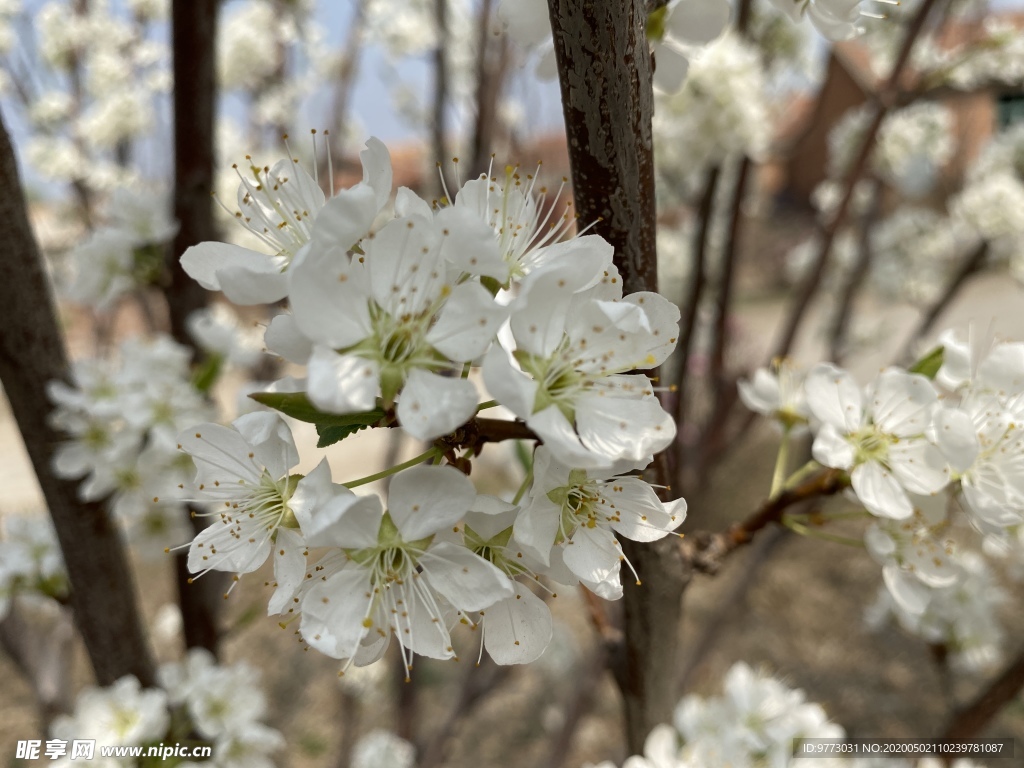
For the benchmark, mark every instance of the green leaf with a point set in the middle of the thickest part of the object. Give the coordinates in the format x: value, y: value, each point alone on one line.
x: 929, y: 365
x: 332, y: 427
x: 333, y: 433
x: 298, y: 406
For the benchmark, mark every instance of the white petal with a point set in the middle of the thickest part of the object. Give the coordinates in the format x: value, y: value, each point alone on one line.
x: 670, y: 69
x: 955, y: 434
x: 468, y: 323
x: 344, y: 221
x: 204, y: 262
x: 425, y: 499
x: 663, y: 321
x: 333, y: 613
x: 760, y: 394
x: 508, y: 385
x: 408, y: 203
x: 880, y: 492
x: 517, y: 629
x: 283, y: 338
x: 377, y: 171
x: 642, y: 516
x: 220, y: 453
x: 593, y: 556
x: 431, y: 405
x: 919, y: 466
x: 621, y: 428
x: 342, y: 383
x: 560, y: 436
x: 289, y: 568
x: 538, y: 319
x: 834, y: 397
x: 246, y: 287
x: 831, y: 449
x: 901, y: 402
x: 271, y: 441
x: 406, y: 270
x: 312, y: 492
x: 347, y: 521
x: 329, y: 299
x: 223, y: 547
x: 697, y: 21
x: 535, y: 529
x: 468, y: 581
x: 908, y: 593
x: 470, y: 243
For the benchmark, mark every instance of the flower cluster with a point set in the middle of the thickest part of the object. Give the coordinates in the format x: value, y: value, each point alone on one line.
x: 393, y: 306
x: 720, y: 112
x: 222, y: 705
x: 910, y: 445
x: 124, y: 254
x: 122, y: 426
x: 30, y: 560
x: 756, y: 723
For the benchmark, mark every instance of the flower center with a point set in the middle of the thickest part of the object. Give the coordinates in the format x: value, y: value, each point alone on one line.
x: 870, y: 444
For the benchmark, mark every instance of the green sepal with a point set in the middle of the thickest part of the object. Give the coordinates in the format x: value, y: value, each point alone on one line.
x: 929, y: 365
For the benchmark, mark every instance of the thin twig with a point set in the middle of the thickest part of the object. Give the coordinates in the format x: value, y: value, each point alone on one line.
x: 883, y: 103
x: 729, y: 606
x: 582, y: 701
x: 479, y: 682
x: 698, y: 278
x: 972, y: 719
x: 348, y: 70
x: 705, y: 551
x: 858, y: 273
x: 974, y: 261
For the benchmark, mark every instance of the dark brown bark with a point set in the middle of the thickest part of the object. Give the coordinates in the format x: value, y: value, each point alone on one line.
x: 604, y: 68
x: 194, y: 29
x: 31, y: 354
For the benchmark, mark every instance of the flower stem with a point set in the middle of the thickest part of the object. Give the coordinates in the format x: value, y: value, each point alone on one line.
x: 801, y: 474
x: 485, y: 405
x: 804, y: 530
x: 781, y: 461
x: 427, y: 456
x: 526, y: 484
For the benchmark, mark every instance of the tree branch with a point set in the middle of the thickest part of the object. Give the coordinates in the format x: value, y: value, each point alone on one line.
x: 31, y: 354
x: 883, y: 103
x: 974, y: 261
x: 698, y: 277
x: 972, y: 719
x: 194, y: 32
x: 705, y: 551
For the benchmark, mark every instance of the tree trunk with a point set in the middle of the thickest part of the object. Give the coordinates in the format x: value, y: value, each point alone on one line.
x: 31, y: 354
x: 194, y: 30
x: 604, y: 68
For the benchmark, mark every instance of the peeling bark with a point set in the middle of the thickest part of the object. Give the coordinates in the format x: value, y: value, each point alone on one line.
x: 604, y: 67
x: 31, y: 354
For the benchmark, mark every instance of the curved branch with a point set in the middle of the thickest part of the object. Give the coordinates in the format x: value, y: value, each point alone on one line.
x: 968, y: 722
x: 705, y: 550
